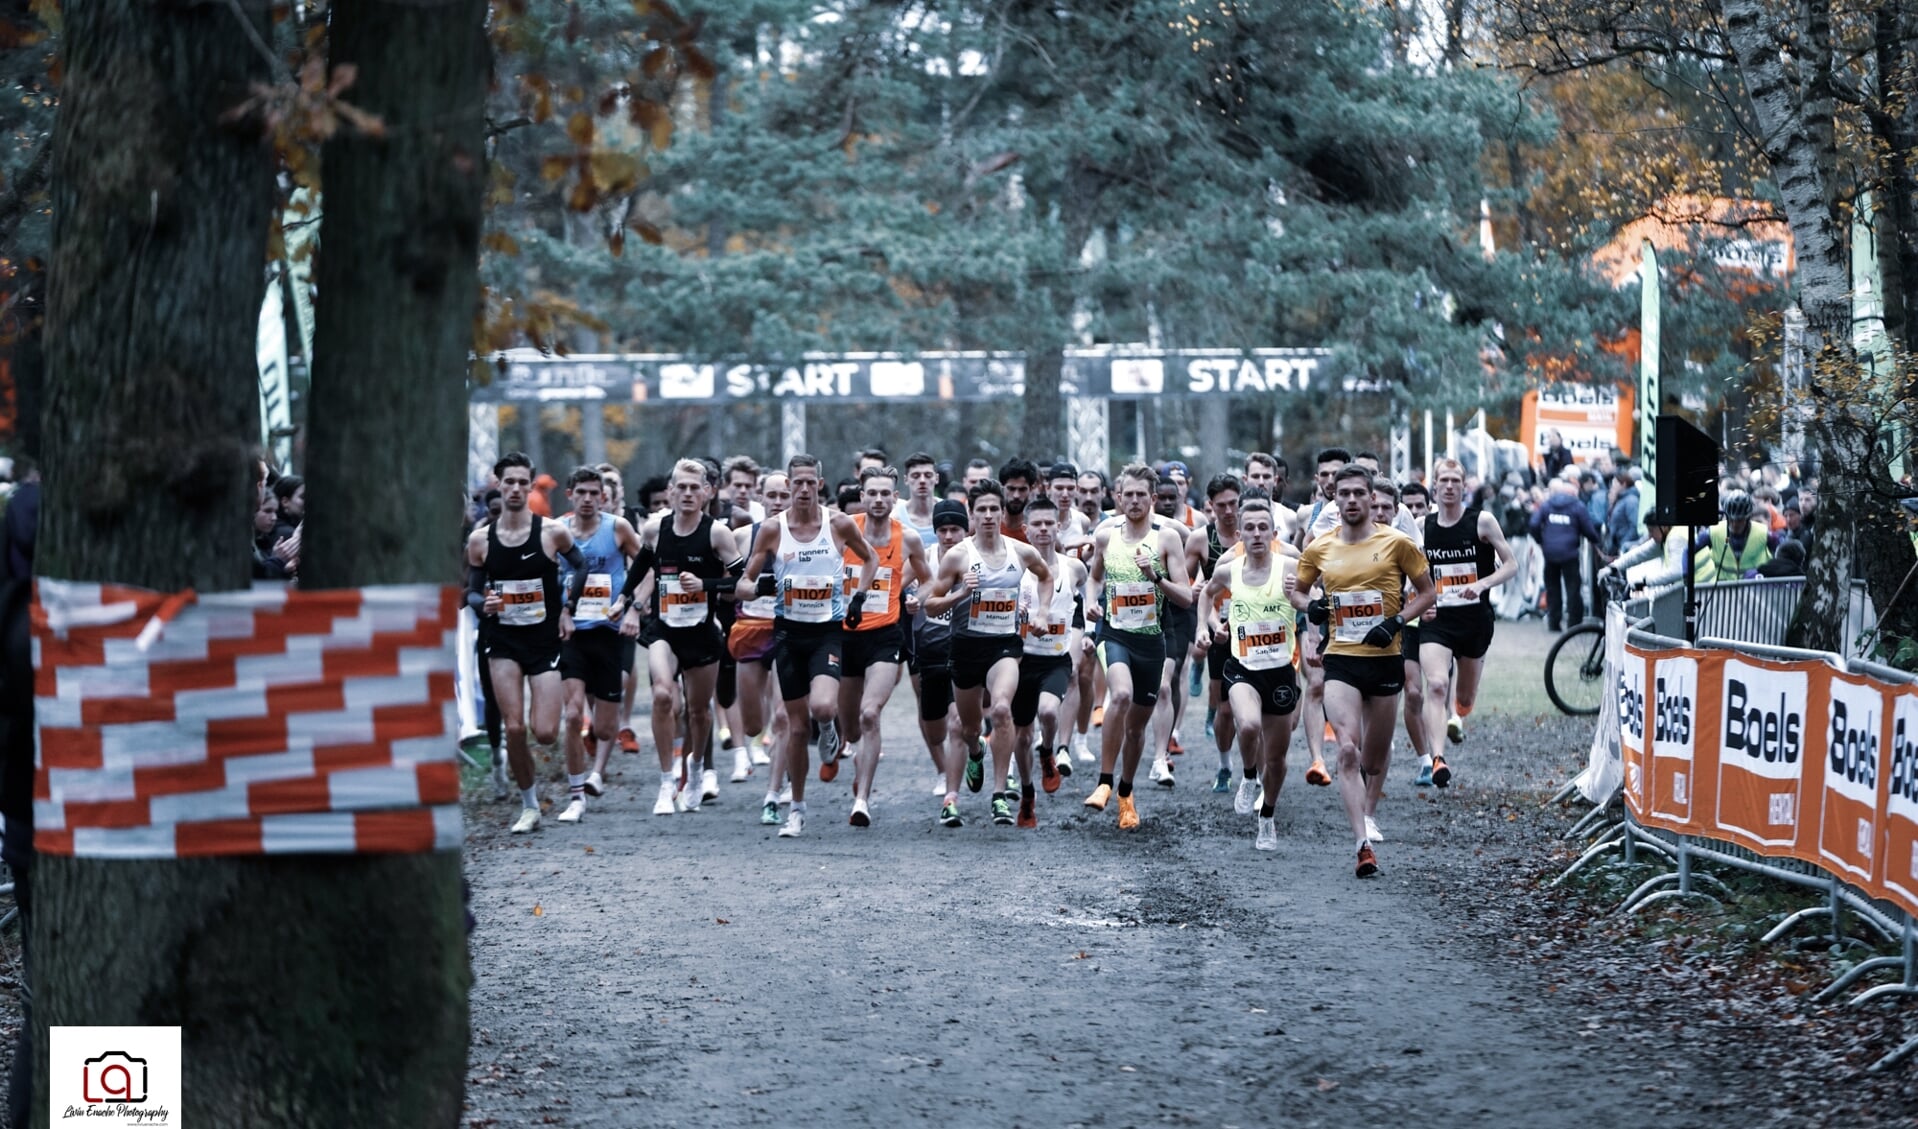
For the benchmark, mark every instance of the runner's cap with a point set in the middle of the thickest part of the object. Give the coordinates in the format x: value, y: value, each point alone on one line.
x: 951, y: 513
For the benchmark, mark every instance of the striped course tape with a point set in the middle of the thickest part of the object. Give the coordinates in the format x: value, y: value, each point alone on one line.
x: 265, y: 721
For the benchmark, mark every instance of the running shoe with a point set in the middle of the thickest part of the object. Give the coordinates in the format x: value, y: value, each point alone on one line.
x: 1317, y: 774
x: 828, y: 771
x: 1455, y: 729
x: 1173, y: 748
x: 1208, y: 724
x: 759, y: 750
x: 1128, y: 814
x: 1100, y: 797
x: 1162, y: 774
x: 686, y: 799
x: 628, y: 741
x: 769, y: 815
x: 1082, y: 750
x: 742, y: 765
x: 1001, y: 811
x: 830, y: 743
x: 528, y: 821
x: 1268, y: 839
x: 975, y: 774
x: 1222, y: 783
x: 1049, y: 772
x: 786, y: 794
x: 1425, y: 776
x: 949, y: 816
x: 1098, y: 715
x: 1368, y: 862
x: 595, y: 784
x: 500, y: 788
x: 795, y: 823
x: 1012, y: 779
x: 1372, y: 832
x: 1441, y: 772
x: 664, y: 804
x: 709, y: 785
x: 939, y: 785
x: 1245, y: 803
x: 861, y: 814
x: 1028, y: 809
x: 573, y: 811
x: 1062, y: 763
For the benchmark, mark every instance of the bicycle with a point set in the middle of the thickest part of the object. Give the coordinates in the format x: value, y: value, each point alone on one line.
x: 1575, y: 666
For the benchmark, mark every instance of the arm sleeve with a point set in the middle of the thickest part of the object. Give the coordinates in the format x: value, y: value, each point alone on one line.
x: 636, y: 575
x: 576, y: 561
x: 475, y: 586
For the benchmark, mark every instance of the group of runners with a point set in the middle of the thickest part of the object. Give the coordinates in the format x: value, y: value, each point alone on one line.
x: 1022, y: 612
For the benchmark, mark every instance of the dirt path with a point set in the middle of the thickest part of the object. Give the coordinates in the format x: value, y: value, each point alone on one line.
x: 695, y: 970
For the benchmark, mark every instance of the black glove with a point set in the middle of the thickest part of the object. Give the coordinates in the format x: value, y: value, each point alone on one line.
x: 855, y: 610
x: 1319, y: 611
x: 1383, y: 634
x: 766, y: 585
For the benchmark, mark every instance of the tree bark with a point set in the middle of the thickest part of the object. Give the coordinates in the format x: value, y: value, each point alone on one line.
x: 399, y: 289
x: 1792, y: 101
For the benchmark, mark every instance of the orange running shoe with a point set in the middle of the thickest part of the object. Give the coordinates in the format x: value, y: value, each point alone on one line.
x: 1173, y: 748
x: 1028, y: 809
x: 1048, y: 772
x: 828, y: 771
x: 1317, y: 774
x: 1100, y: 796
x: 1368, y: 862
x: 1128, y: 814
x: 628, y: 741
x: 1098, y: 715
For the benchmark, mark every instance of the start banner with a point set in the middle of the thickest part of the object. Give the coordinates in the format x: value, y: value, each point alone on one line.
x: 1787, y: 759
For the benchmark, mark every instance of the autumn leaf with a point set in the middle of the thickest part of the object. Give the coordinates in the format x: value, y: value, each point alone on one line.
x: 646, y: 231
x: 579, y: 128
x: 616, y: 172
x: 538, y: 910
x: 722, y: 921
x: 501, y: 242
x: 554, y: 168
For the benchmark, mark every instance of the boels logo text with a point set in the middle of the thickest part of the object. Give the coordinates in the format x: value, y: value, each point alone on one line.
x: 1904, y: 763
x: 1763, y: 723
x: 1672, y: 721
x: 1853, y: 748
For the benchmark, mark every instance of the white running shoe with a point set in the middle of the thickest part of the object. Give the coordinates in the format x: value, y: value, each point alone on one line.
x: 528, y: 821
x: 595, y: 784
x: 573, y: 811
x: 1080, y: 749
x: 939, y: 786
x: 501, y: 789
x: 686, y: 799
x: 830, y: 744
x: 795, y: 823
x: 1162, y: 773
x: 861, y: 814
x: 759, y: 754
x: 1246, y: 802
x: 786, y: 794
x: 664, y: 804
x: 1268, y: 839
x: 742, y: 766
x: 709, y: 784
x: 1372, y: 832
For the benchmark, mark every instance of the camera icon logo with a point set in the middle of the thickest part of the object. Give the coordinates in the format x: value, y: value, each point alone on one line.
x: 114, y: 1077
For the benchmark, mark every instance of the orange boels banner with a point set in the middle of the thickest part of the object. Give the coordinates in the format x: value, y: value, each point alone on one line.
x: 1764, y: 740
x: 1850, y: 765
x: 1628, y: 684
x: 1676, y: 706
x: 241, y: 723
x: 1591, y: 418
x: 1898, y: 823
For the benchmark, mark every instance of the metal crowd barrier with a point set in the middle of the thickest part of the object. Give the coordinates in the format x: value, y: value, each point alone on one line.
x: 1745, y: 617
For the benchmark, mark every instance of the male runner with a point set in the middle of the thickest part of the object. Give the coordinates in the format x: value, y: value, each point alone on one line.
x: 751, y: 645
x: 1017, y: 477
x: 1136, y: 569
x: 1363, y: 567
x: 1315, y: 521
x: 1202, y: 552
x: 1045, y: 670
x: 1181, y: 629
x: 932, y: 645
x: 1260, y: 639
x: 1469, y: 558
x: 690, y: 554
x: 589, y: 662
x: 805, y: 549
x: 1092, y: 496
x: 1385, y: 508
x: 978, y: 582
x: 977, y: 471
x: 1267, y: 472
x: 869, y: 667
x: 512, y: 578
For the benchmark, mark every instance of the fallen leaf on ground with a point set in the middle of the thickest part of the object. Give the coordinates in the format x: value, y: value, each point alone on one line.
x: 538, y: 911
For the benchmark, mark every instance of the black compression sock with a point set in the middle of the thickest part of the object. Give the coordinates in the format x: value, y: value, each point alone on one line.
x: 1125, y: 788
x: 1105, y: 778
x: 1266, y: 811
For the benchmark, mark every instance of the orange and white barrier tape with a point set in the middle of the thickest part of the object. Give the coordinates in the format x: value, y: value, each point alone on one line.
x: 266, y: 721
x: 1788, y: 759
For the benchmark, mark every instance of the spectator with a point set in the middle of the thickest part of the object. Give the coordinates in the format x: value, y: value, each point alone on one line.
x: 1655, y: 561
x: 1735, y: 547
x: 538, y: 500
x: 274, y: 557
x: 1561, y: 524
x: 1621, y: 525
x: 1795, y: 529
x: 289, y: 490
x: 1556, y: 457
x: 23, y: 520
x: 1790, y: 561
x: 1591, y: 491
x: 1773, y: 517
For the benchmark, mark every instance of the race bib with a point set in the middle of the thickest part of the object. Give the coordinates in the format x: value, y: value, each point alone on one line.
x: 681, y: 609
x: 1357, y: 613
x: 808, y: 599
x: 1264, y: 645
x: 759, y: 607
x: 995, y: 611
x: 878, y: 597
x: 1452, y: 580
x: 1134, y: 606
x: 596, y: 599
x: 525, y: 602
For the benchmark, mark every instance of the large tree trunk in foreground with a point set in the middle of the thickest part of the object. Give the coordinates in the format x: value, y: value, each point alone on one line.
x: 310, y: 990
x: 399, y: 286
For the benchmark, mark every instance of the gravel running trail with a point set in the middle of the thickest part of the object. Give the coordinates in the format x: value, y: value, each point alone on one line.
x: 694, y: 970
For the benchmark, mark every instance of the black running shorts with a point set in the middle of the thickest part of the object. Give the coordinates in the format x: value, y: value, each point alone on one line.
x: 536, y: 652
x: 861, y: 649
x: 1039, y: 674
x: 1142, y: 655
x: 803, y: 652
x: 1278, y: 689
x: 1466, y: 632
x: 1374, y: 676
x: 592, y: 656
x: 973, y: 656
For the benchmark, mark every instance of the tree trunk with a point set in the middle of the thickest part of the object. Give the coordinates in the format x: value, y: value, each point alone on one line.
x: 280, y: 978
x: 399, y: 289
x: 1791, y: 98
